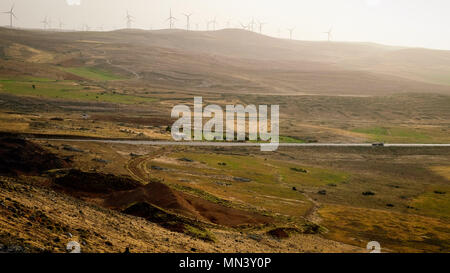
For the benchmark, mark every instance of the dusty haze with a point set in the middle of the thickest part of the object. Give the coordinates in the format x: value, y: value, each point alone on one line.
x: 417, y: 23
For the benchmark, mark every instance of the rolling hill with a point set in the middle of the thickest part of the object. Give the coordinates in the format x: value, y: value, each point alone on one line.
x: 231, y: 60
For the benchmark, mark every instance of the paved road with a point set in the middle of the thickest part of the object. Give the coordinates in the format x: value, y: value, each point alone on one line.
x: 240, y: 144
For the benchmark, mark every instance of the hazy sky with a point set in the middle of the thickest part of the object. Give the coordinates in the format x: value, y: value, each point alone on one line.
x: 422, y: 23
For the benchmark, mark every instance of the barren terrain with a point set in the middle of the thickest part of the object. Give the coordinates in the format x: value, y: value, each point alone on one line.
x: 108, y: 197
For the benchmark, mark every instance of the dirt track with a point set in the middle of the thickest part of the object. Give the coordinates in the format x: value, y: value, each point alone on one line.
x: 137, y: 166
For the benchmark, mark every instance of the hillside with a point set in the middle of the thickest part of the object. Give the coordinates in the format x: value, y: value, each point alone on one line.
x: 233, y: 61
x: 66, y: 95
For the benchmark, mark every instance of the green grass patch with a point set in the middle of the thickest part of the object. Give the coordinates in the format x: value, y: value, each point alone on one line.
x: 65, y: 90
x: 435, y: 202
x: 394, y: 134
x: 202, y: 194
x: 92, y: 73
x: 198, y: 232
x: 288, y: 139
x: 253, y: 180
x: 266, y: 171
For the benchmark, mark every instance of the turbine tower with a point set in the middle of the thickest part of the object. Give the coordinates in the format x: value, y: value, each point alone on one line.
x: 261, y: 24
x: 291, y: 30
x: 213, y: 22
x: 11, y: 15
x: 86, y: 27
x: 329, y: 33
x: 46, y: 22
x: 61, y: 25
x: 129, y: 19
x: 252, y: 24
x: 171, y: 20
x: 188, y: 21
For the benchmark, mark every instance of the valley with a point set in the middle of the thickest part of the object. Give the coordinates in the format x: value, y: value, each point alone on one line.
x: 122, y: 85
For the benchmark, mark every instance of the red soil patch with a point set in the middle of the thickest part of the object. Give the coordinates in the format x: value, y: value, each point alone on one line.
x: 153, y: 193
x: 278, y: 233
x: 121, y: 193
x: 164, y: 197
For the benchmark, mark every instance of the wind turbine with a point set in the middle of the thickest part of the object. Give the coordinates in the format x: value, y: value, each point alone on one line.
x: 61, y: 25
x: 245, y: 27
x: 261, y: 24
x: 45, y: 22
x: 129, y: 19
x: 86, y: 27
x: 291, y: 30
x: 171, y: 19
x: 188, y: 21
x: 252, y: 24
x: 11, y: 15
x: 329, y: 33
x: 213, y: 22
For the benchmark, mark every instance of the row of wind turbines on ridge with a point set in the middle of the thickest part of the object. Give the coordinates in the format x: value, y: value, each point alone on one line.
x: 171, y: 20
